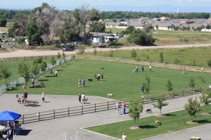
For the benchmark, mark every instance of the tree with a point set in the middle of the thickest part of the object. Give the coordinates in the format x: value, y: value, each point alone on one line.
x: 160, y: 104
x: 192, y: 83
x: 53, y: 61
x: 4, y: 72
x: 59, y: 55
x: 43, y: 66
x: 82, y: 16
x: 139, y: 37
x: 192, y: 107
x: 97, y: 27
x: 135, y: 108
x: 95, y: 51
x: 64, y: 56
x: 34, y: 33
x: 209, y: 63
x: 133, y: 53
x: 205, y: 99
x: 24, y: 71
x: 3, y: 22
x: 169, y: 86
x: 161, y: 57
x: 147, y: 84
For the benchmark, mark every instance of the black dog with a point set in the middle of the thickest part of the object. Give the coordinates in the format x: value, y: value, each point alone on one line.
x: 149, y: 110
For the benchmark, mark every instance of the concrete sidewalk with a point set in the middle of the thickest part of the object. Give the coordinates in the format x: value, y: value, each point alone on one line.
x: 57, y: 128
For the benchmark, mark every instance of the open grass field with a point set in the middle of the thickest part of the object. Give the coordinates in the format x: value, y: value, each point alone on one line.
x: 118, y: 79
x: 171, y: 122
x: 175, y: 37
x: 195, y: 56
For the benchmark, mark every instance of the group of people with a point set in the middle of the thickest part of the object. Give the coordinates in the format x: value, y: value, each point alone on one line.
x: 82, y: 99
x: 23, y: 97
x: 99, y: 76
x: 40, y: 84
x: 81, y: 82
x: 13, y: 128
x: 142, y: 68
x: 120, y: 107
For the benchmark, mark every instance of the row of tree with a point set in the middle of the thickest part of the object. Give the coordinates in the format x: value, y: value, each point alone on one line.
x: 10, y: 14
x: 28, y: 71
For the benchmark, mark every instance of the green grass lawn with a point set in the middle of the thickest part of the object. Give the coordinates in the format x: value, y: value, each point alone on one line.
x: 197, y: 56
x: 170, y: 122
x: 118, y: 79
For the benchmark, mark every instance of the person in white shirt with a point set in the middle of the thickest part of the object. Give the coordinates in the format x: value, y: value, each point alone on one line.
x: 124, y: 137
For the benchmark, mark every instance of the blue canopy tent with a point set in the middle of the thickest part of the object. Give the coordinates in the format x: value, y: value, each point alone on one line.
x: 9, y: 116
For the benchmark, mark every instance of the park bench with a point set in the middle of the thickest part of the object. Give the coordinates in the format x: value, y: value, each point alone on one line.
x: 31, y: 102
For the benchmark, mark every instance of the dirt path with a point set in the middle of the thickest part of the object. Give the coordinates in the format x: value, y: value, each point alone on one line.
x: 20, y: 53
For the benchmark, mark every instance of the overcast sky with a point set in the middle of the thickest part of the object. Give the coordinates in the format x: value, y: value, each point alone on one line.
x: 101, y: 4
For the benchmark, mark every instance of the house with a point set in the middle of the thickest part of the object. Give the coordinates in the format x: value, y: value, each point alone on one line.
x: 123, y: 21
x: 101, y: 37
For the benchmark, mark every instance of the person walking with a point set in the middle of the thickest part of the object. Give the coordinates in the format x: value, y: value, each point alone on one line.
x: 150, y: 67
x: 83, y: 82
x: 43, y: 97
x: 79, y: 82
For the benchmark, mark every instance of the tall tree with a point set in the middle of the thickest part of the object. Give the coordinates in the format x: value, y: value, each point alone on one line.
x: 24, y: 71
x: 192, y: 107
x: 135, y: 108
x: 83, y: 16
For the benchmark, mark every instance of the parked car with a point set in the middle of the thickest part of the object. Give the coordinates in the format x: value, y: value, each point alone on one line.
x: 68, y: 48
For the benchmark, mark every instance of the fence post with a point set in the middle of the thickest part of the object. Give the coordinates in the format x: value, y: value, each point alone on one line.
x: 54, y: 113
x: 107, y: 105
x: 95, y: 107
x: 68, y: 111
x: 182, y: 92
x: 23, y: 118
x: 173, y: 94
x: 38, y: 114
x: 81, y: 109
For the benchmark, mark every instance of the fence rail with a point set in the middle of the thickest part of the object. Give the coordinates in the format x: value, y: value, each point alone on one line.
x: 104, y: 106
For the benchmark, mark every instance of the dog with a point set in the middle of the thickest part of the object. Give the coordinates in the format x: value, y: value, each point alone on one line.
x: 149, y: 110
x: 89, y: 79
x: 158, y: 122
x: 110, y: 95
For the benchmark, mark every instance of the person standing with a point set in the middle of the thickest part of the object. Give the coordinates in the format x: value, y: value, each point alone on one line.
x: 83, y: 82
x: 32, y: 80
x: 142, y: 89
x: 56, y: 73
x: 136, y: 68
x: 10, y: 134
x: 150, y: 67
x: 183, y: 69
x: 79, y: 98
x: 117, y: 106
x: 124, y: 137
x: 43, y: 97
x: 25, y: 94
x: 79, y: 82
x: 142, y: 68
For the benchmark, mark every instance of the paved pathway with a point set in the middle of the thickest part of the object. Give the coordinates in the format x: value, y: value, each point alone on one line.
x: 56, y: 129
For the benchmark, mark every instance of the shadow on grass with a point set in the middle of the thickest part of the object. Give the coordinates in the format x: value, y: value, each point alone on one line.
x: 59, y: 70
x: 43, y: 80
x: 202, y: 121
x: 170, y: 114
x: 147, y: 126
x: 49, y: 76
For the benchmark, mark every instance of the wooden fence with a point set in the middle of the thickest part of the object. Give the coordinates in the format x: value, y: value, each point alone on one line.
x: 104, y: 106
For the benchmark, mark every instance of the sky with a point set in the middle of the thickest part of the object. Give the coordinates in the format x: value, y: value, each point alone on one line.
x: 115, y: 5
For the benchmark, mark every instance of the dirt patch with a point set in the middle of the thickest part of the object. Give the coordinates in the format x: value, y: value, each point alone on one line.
x: 191, y: 122
x: 135, y: 128
x: 205, y: 114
